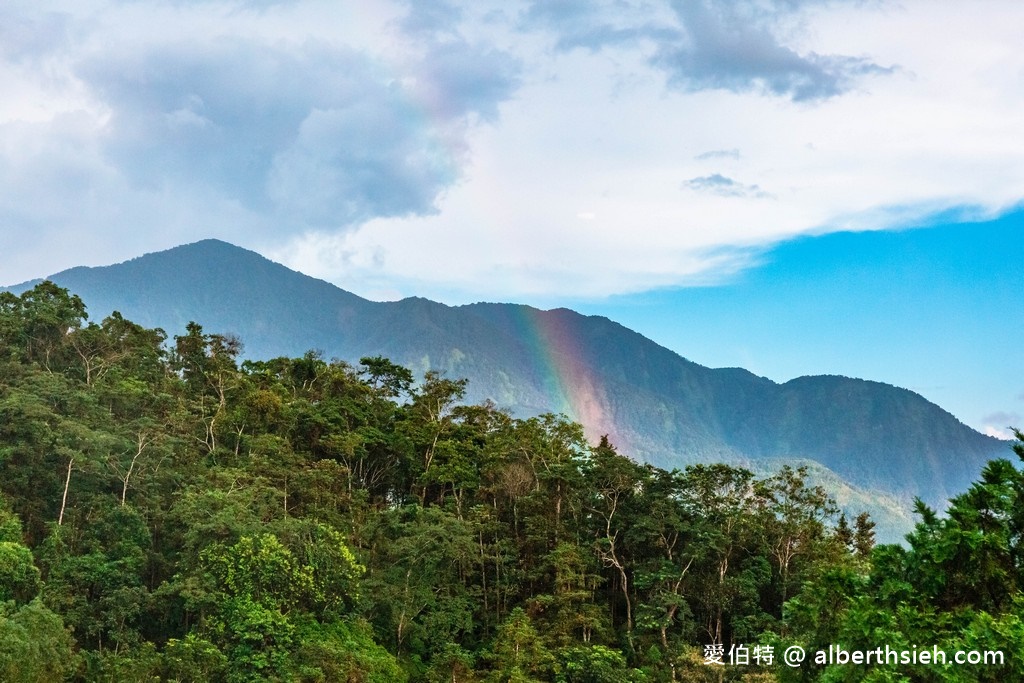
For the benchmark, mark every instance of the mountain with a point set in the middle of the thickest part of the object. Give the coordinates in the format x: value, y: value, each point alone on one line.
x: 654, y: 404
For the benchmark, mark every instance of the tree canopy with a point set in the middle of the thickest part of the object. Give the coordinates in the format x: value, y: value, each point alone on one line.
x: 168, y: 512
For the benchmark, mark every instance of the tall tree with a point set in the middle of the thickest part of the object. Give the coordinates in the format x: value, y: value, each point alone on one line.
x: 795, y: 522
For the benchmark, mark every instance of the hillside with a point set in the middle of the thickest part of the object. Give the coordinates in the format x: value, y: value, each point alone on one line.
x: 654, y: 404
x: 186, y: 517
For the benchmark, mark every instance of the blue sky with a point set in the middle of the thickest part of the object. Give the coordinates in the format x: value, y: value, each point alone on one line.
x: 793, y: 186
x: 937, y: 310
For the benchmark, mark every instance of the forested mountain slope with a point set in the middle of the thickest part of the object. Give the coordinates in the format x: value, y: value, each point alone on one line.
x: 168, y: 513
x: 654, y: 404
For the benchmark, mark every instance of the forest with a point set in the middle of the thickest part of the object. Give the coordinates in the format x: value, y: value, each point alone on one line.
x: 171, y: 512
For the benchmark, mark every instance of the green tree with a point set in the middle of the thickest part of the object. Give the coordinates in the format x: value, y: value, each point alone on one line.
x: 207, y: 363
x: 388, y: 379
x: 794, y: 525
x: 519, y: 655
x: 19, y: 577
x: 417, y: 589
x: 117, y: 346
x: 864, y: 535
x: 34, y: 645
x: 666, y: 542
x: 722, y: 499
x: 35, y: 326
x: 429, y: 432
x: 344, y: 650
x: 569, y: 614
x: 93, y: 571
x: 613, y: 481
x: 595, y: 664
x: 957, y: 586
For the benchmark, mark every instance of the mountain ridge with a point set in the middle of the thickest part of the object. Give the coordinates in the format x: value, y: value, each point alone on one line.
x: 655, y: 404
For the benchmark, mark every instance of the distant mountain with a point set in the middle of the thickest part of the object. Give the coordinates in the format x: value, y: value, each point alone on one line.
x: 654, y: 404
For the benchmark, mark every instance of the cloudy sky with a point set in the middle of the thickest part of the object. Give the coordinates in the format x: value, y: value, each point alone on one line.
x: 792, y: 186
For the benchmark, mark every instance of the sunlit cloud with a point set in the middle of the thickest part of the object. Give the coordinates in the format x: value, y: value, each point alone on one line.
x: 716, y: 183
x: 715, y: 154
x: 1000, y: 425
x: 454, y: 149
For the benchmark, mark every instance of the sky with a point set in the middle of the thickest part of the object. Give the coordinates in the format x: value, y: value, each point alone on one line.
x: 792, y: 186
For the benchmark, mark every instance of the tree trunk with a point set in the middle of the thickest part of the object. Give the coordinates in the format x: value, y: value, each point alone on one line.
x: 64, y: 499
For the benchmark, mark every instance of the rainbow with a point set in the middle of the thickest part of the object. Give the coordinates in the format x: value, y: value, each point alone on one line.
x: 567, y: 376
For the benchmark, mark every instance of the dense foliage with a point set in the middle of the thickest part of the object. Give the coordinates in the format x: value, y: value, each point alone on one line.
x: 876, y: 445
x: 170, y: 514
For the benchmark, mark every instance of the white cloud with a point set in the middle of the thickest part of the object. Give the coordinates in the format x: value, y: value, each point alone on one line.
x: 598, y: 129
x: 733, y: 154
x: 716, y: 183
x: 498, y: 150
x: 1000, y: 425
x: 256, y: 121
x: 998, y: 432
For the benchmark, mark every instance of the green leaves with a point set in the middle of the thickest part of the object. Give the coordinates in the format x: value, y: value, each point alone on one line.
x: 34, y: 327
x: 265, y: 597
x: 321, y: 579
x: 34, y: 646
x: 518, y: 654
x: 19, y: 578
x: 595, y: 664
x: 260, y: 570
x: 957, y: 587
x: 303, y: 520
